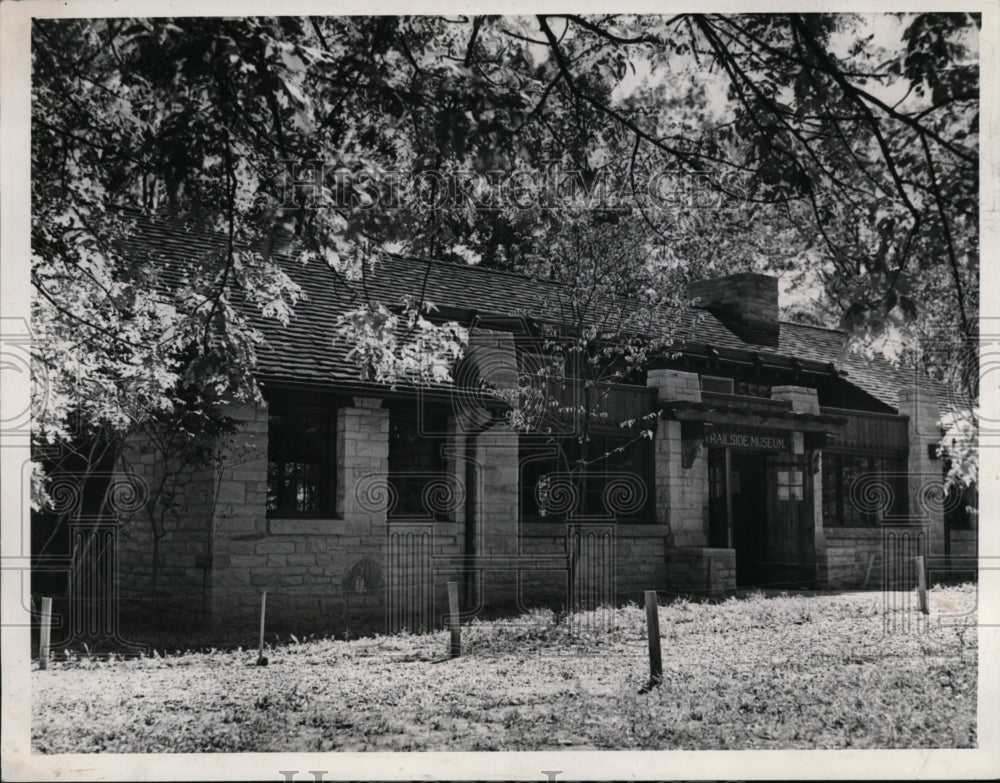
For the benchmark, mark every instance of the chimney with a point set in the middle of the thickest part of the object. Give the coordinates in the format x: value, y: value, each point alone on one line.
x: 749, y: 298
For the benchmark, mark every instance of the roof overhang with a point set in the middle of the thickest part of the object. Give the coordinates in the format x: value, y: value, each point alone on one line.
x: 759, y: 360
x: 750, y: 415
x: 459, y: 398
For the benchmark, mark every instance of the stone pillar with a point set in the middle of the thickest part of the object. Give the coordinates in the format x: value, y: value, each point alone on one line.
x: 364, y: 500
x: 803, y: 399
x: 681, y: 493
x: 673, y: 385
x: 363, y: 467
x: 455, y: 464
x: 666, y: 467
x: 239, y: 504
x: 489, y: 371
x: 497, y: 524
x: 919, y: 404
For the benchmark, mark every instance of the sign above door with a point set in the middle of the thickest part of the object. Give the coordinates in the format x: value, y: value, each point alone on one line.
x: 756, y: 440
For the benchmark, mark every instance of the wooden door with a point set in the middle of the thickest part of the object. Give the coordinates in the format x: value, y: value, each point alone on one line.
x: 789, y: 539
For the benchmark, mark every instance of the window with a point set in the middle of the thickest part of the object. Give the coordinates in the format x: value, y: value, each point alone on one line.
x: 852, y: 471
x: 300, y: 460
x: 415, y: 461
x: 747, y: 389
x: 718, y: 385
x: 861, y: 490
x: 790, y: 484
x: 717, y: 483
x: 711, y: 383
x: 620, y: 484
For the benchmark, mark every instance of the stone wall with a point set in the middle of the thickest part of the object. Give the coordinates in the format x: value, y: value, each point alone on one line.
x: 544, y: 566
x: 926, y: 474
x: 701, y: 571
x: 849, y: 552
x: 180, y: 536
x: 358, y: 569
x: 639, y: 563
x: 964, y: 546
x: 221, y: 550
x: 497, y: 519
x: 854, y: 557
x: 361, y: 567
x: 336, y: 572
x: 642, y: 553
x: 681, y: 493
x: 328, y: 572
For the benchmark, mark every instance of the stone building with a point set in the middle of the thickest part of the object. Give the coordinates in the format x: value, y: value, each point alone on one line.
x: 775, y: 462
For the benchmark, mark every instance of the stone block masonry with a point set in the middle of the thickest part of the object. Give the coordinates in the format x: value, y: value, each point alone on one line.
x: 334, y: 572
x: 673, y: 385
x: 319, y: 573
x: 926, y: 473
x: 638, y: 563
x: 497, y: 504
x: 681, y: 493
x: 747, y: 297
x: 848, y: 553
x: 701, y: 571
x: 963, y: 558
x: 167, y: 538
x: 803, y: 399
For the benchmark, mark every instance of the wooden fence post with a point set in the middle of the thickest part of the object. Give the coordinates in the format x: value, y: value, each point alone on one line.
x: 922, y: 585
x: 653, y: 635
x: 453, y: 621
x: 45, y: 634
x: 261, y: 660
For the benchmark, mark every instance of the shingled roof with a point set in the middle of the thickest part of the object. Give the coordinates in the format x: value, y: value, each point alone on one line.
x: 305, y: 350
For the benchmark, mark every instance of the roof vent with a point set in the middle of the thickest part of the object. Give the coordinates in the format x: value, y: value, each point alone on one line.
x: 749, y: 298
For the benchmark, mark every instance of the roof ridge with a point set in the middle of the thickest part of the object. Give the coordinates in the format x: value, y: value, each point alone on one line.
x: 554, y: 284
x: 286, y: 246
x: 293, y: 349
x: 473, y: 267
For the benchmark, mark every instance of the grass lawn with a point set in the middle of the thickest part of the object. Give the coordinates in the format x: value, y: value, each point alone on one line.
x: 756, y: 672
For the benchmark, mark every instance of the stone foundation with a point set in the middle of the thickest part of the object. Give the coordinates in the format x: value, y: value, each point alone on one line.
x: 963, y: 560
x: 854, y: 558
x: 849, y: 552
x: 545, y: 572
x: 701, y: 571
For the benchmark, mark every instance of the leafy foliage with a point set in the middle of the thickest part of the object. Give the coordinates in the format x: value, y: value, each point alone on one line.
x: 856, y: 135
x: 610, y: 315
